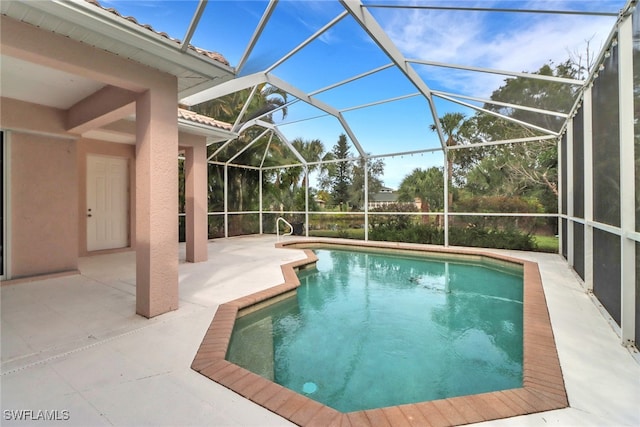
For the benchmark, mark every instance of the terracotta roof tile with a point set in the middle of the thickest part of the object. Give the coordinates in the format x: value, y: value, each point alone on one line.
x: 203, y: 120
x: 213, y: 55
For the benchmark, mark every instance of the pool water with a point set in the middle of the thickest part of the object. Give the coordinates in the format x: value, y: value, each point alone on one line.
x: 370, y: 330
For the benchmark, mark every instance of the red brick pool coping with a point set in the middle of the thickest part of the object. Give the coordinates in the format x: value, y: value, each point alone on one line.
x: 543, y: 386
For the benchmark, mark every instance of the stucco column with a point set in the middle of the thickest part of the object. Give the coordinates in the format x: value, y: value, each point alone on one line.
x: 157, y: 201
x: 195, y: 176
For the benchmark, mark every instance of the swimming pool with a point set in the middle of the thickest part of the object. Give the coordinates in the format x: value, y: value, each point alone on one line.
x: 542, y: 381
x: 369, y: 330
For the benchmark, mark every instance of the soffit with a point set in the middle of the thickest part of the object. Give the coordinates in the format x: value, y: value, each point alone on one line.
x: 123, y: 131
x: 34, y: 83
x: 95, y: 26
x: 42, y: 85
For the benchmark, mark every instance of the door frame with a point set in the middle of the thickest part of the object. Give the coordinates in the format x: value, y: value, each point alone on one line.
x: 85, y: 223
x: 5, y: 170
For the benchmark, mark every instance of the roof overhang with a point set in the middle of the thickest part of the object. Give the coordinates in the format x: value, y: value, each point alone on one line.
x: 213, y: 134
x: 93, y: 25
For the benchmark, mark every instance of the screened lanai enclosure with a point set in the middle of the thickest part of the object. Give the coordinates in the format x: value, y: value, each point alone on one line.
x: 492, y: 124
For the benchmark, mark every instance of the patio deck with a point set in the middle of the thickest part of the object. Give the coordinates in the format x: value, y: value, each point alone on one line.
x: 74, y: 344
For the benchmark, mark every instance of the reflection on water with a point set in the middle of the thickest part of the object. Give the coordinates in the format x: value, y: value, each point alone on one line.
x: 370, y: 330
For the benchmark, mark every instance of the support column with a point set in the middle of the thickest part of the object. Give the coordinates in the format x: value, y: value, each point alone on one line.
x: 588, y: 189
x: 195, y: 175
x: 306, y: 200
x: 260, y: 200
x: 366, y: 199
x: 446, y: 198
x: 157, y: 201
x: 226, y: 200
x: 561, y: 189
x: 570, y: 196
x: 627, y: 183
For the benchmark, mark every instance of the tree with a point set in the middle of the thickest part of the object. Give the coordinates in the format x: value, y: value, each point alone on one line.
x: 427, y: 186
x: 526, y: 169
x: 286, y: 187
x: 313, y: 152
x: 243, y: 184
x: 375, y: 169
x: 535, y: 165
x: 227, y: 108
x: 339, y: 176
x: 452, y: 125
x: 542, y: 94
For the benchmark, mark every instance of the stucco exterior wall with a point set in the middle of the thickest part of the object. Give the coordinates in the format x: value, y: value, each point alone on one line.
x: 45, y: 189
x: 196, y: 185
x: 20, y: 115
x: 44, y: 200
x: 87, y: 147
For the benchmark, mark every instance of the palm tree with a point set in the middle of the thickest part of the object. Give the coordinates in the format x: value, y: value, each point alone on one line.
x: 243, y: 183
x: 269, y: 99
x: 451, y: 124
x: 313, y: 152
x: 425, y: 185
x: 228, y: 107
x: 285, y: 185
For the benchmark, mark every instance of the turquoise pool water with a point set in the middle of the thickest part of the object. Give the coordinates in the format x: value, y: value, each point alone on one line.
x: 369, y: 330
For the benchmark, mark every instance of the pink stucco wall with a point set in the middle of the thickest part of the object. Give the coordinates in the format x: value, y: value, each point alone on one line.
x: 157, y: 201
x: 48, y: 187
x: 196, y: 206
x: 44, y: 198
x: 45, y: 190
x: 21, y: 115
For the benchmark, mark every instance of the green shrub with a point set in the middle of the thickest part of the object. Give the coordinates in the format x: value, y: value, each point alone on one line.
x: 460, y: 236
x: 412, y: 233
x: 491, y: 238
x: 334, y: 222
x: 342, y: 234
x: 394, y: 222
x: 499, y: 204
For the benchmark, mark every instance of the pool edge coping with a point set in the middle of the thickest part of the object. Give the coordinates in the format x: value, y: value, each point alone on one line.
x: 543, y: 384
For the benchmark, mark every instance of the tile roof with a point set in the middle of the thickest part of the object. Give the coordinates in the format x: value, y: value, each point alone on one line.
x: 203, y: 120
x: 182, y: 113
x: 212, y: 55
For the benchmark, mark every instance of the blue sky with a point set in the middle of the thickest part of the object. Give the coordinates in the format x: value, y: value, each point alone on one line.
x: 507, y: 41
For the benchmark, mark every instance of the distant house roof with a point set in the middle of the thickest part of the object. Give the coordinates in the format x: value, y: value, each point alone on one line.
x: 385, y: 197
x: 213, y: 55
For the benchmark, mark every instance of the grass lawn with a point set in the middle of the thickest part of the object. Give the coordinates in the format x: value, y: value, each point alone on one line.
x: 547, y: 243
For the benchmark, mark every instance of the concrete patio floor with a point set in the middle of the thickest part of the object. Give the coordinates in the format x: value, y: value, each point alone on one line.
x: 74, y: 344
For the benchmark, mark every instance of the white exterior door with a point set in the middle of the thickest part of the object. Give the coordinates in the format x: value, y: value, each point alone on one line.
x: 107, y: 203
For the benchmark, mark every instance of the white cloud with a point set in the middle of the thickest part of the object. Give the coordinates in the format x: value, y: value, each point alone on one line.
x: 550, y: 39
x: 502, y: 41
x: 431, y: 34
